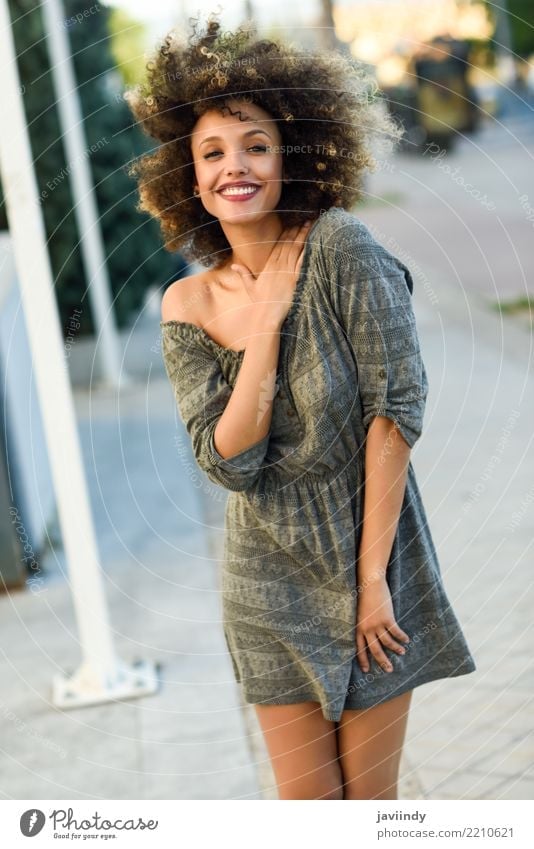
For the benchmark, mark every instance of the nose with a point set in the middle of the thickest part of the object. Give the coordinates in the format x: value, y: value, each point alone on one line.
x: 234, y: 162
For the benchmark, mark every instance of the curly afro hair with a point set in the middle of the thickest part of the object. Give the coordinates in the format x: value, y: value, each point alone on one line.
x: 328, y: 103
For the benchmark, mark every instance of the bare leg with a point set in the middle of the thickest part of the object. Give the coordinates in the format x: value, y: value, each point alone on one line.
x: 370, y: 744
x: 302, y: 747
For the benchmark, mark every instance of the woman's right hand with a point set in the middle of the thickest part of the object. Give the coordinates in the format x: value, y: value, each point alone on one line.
x: 273, y: 289
x: 376, y: 626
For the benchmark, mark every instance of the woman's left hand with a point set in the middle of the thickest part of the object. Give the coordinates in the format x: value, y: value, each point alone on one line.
x: 376, y: 625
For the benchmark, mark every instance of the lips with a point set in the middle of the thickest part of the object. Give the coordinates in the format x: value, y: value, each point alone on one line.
x: 239, y: 184
x: 242, y: 191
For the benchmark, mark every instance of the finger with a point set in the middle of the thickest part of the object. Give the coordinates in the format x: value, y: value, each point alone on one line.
x: 288, y: 235
x: 242, y: 270
x: 291, y: 243
x: 292, y: 250
x: 302, y: 229
x: 302, y: 235
x: 285, y: 243
x: 289, y: 232
x: 388, y: 641
x: 299, y: 242
x: 361, y: 653
x: 377, y: 652
x: 302, y: 232
x: 396, y: 631
x: 278, y: 247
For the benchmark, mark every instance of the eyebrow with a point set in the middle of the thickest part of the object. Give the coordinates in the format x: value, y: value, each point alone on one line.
x: 248, y: 133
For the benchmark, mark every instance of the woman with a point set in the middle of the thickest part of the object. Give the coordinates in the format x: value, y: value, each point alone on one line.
x: 297, y: 371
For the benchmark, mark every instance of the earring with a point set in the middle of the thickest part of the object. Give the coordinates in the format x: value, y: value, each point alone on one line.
x: 196, y: 192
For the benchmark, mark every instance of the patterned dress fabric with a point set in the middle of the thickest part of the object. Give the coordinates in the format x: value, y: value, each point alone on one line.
x: 349, y: 351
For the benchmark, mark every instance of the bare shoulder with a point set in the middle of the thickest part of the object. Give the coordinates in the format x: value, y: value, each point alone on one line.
x: 187, y: 298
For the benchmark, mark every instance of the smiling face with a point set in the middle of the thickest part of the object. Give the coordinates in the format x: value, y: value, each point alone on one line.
x: 238, y: 175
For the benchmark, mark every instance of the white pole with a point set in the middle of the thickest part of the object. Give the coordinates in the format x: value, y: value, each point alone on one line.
x: 102, y: 676
x: 85, y: 207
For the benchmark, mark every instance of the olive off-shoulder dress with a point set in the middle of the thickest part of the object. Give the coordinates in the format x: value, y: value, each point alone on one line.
x: 349, y: 351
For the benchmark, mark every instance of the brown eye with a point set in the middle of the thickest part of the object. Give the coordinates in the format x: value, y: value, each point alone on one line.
x: 261, y: 147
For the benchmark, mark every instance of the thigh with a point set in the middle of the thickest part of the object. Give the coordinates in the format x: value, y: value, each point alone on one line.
x: 370, y: 744
x: 302, y: 747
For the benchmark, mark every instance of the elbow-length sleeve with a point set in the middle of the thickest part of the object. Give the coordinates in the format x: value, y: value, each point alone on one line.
x: 372, y: 296
x: 201, y: 394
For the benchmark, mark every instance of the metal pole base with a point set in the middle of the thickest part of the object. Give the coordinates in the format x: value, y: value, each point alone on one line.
x: 88, y: 687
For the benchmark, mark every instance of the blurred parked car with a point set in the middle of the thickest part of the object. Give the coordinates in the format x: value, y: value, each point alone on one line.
x: 434, y: 101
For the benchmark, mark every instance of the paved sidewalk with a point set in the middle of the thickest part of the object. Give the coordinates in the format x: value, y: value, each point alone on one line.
x: 188, y: 741
x: 471, y: 736
x: 159, y: 524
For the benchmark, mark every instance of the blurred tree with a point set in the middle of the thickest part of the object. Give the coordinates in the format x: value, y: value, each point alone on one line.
x: 136, y: 257
x: 514, y: 21
x: 48, y: 152
x: 128, y: 44
x: 521, y: 20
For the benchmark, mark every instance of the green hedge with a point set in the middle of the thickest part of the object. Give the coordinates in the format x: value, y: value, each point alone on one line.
x: 135, y: 255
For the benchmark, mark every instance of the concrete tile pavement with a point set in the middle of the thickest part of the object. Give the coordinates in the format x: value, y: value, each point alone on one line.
x: 159, y: 524
x: 160, y: 528
x: 471, y: 737
x: 188, y: 741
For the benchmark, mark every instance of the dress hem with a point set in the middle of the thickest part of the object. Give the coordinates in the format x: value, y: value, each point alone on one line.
x: 465, y: 668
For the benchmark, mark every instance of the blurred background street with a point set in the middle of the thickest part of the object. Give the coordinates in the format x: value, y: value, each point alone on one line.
x: 456, y: 204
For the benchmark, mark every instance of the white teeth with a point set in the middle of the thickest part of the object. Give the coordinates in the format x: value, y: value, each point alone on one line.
x: 236, y: 190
